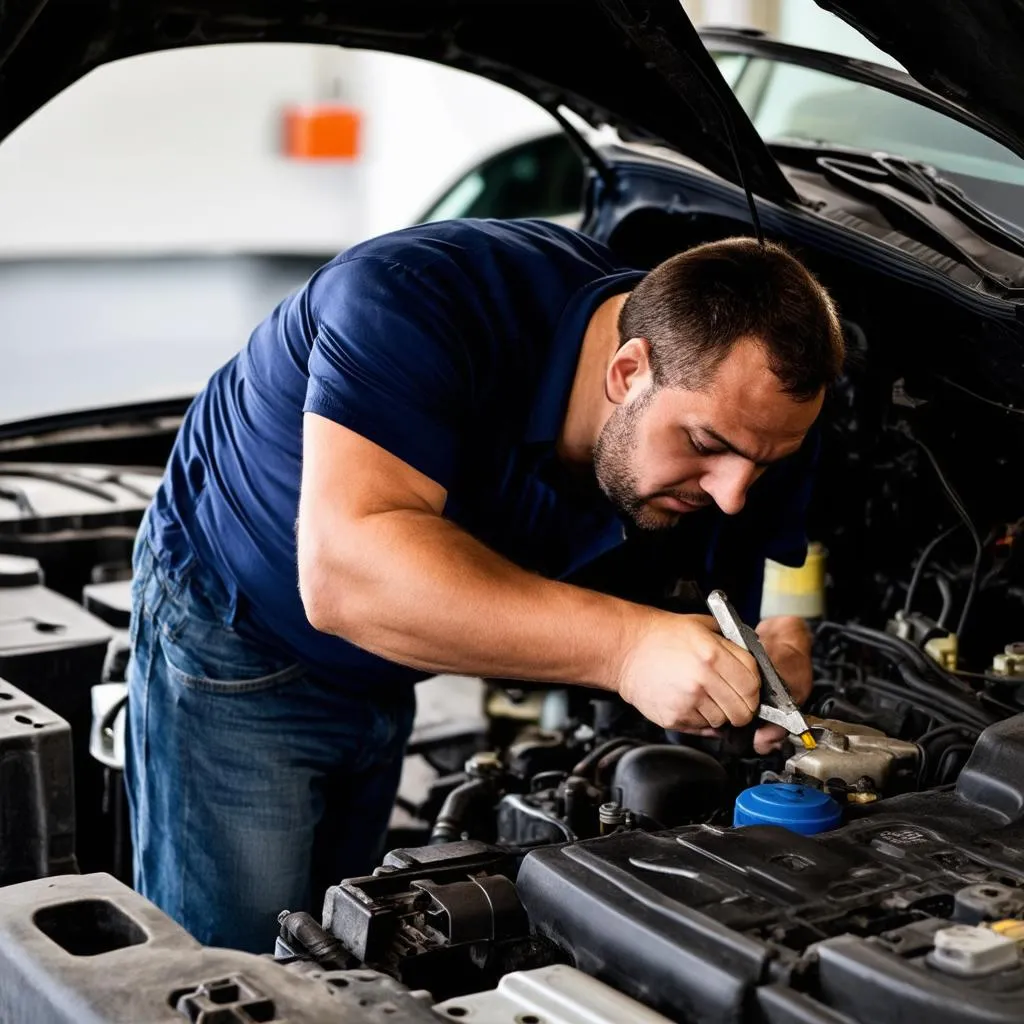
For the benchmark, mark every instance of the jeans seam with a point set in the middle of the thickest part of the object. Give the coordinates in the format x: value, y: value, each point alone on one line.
x: 185, y: 753
x: 147, y: 680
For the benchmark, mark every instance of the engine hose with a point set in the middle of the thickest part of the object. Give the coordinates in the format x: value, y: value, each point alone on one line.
x: 948, y: 759
x: 587, y: 764
x: 963, y: 705
x: 609, y: 761
x: 945, y: 730
x: 956, y: 730
x: 901, y: 650
x: 956, y: 707
x: 932, y: 703
x: 304, y: 936
x: 947, y: 600
x: 516, y: 801
x: 456, y: 807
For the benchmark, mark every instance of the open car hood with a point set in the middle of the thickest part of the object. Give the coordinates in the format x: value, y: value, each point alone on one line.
x: 635, y: 64
x: 970, y: 52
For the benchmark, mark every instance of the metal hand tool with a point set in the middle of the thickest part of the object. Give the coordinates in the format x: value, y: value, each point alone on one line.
x: 777, y: 704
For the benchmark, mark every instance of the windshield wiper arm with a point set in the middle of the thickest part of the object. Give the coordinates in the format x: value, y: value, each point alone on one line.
x: 912, y: 195
x: 944, y: 193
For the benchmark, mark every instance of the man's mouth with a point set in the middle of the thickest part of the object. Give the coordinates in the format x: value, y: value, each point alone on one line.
x: 670, y: 503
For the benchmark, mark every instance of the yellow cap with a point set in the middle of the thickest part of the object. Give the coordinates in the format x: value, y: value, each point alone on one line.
x: 1009, y: 928
x: 861, y: 798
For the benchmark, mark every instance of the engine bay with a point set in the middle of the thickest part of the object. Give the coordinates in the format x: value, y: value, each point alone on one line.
x: 567, y: 835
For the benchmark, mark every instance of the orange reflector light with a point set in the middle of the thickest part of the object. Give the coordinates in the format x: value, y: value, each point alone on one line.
x: 322, y: 132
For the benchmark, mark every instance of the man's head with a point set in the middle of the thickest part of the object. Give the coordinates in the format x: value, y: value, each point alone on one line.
x: 725, y: 352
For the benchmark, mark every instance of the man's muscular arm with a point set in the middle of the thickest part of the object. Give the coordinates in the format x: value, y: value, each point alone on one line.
x: 381, y: 567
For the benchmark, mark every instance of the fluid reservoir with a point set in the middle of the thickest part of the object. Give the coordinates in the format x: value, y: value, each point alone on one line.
x: 802, y: 809
x: 795, y: 591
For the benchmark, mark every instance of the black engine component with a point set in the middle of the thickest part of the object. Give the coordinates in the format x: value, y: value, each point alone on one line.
x: 667, y: 785
x: 55, y: 651
x: 37, y: 809
x: 444, y: 918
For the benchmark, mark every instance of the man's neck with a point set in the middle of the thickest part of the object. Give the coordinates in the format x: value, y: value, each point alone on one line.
x: 588, y: 403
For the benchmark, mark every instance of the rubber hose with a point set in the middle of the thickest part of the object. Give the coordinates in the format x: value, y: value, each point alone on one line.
x: 455, y: 809
x: 588, y: 763
x: 304, y: 936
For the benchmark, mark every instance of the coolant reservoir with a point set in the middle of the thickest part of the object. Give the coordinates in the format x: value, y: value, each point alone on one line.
x: 795, y: 591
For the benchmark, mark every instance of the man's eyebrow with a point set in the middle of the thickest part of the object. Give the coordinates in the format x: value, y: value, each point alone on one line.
x: 729, y: 446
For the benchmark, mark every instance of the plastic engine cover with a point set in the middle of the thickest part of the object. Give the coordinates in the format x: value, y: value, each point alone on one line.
x: 718, y: 924
x: 54, y: 650
x: 37, y: 811
x: 85, y: 949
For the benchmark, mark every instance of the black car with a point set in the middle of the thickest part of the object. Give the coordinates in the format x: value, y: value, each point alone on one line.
x: 572, y: 865
x: 791, y: 94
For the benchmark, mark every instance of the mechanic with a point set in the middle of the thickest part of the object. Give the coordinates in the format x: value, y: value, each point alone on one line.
x: 471, y: 411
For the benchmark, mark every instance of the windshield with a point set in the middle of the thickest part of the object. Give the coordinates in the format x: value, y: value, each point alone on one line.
x: 790, y: 103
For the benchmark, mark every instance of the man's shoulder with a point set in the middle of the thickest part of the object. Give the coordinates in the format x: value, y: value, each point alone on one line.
x: 443, y: 269
x: 420, y: 247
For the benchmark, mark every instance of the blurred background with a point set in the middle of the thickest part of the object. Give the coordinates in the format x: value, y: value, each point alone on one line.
x: 155, y: 211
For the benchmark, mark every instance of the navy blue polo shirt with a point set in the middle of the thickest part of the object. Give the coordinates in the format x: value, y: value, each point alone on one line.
x: 452, y: 345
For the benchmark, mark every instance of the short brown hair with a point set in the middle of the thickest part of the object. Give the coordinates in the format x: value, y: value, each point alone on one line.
x: 696, y: 305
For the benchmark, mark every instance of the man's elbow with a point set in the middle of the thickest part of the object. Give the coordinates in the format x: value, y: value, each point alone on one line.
x: 316, y: 603
x: 321, y: 584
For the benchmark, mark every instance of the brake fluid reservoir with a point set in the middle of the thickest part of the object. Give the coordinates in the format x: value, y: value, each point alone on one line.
x: 789, y: 590
x: 802, y: 809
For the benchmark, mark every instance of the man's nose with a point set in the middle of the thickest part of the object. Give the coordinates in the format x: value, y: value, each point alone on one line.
x: 729, y: 482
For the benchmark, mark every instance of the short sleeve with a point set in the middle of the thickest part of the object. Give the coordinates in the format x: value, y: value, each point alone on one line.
x: 389, y: 362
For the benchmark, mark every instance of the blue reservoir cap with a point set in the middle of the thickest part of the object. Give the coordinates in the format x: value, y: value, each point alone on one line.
x: 802, y: 809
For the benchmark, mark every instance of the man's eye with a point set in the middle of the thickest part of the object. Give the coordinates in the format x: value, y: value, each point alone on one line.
x: 699, y: 448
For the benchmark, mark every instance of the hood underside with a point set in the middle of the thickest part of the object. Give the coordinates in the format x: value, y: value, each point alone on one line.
x: 970, y: 51
x: 636, y: 64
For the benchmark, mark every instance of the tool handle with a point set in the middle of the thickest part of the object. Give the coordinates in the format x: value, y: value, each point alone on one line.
x: 728, y: 620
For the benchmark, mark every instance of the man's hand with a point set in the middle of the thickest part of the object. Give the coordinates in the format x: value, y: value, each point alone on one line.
x: 683, y: 674
x: 787, y: 641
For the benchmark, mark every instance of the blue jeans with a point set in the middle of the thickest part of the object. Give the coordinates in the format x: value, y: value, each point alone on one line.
x: 251, y: 785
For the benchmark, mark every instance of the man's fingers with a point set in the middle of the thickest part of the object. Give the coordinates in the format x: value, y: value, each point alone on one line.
x: 731, y: 704
x: 768, y: 738
x: 739, y: 670
x: 708, y: 621
x: 714, y: 714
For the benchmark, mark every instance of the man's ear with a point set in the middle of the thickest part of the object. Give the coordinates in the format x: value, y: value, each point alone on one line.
x: 629, y: 372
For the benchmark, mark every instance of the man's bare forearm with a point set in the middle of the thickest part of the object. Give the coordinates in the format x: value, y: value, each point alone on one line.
x: 416, y: 589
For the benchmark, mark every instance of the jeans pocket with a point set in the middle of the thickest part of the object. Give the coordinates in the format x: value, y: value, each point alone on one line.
x: 226, y: 680
x: 204, y: 654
